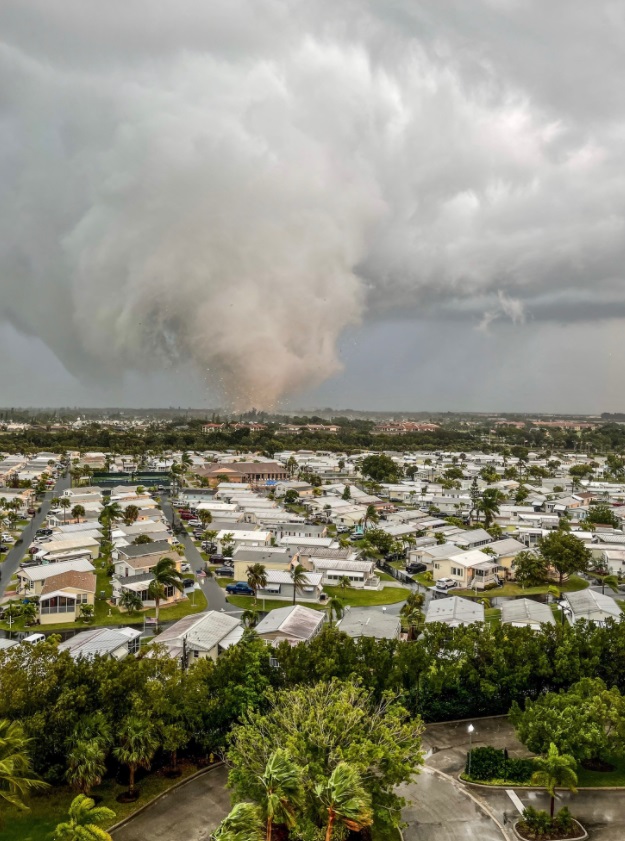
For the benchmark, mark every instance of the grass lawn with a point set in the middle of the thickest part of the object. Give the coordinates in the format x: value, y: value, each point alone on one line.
x: 384, y: 576
x: 49, y: 809
x: 492, y: 615
x: 603, y: 778
x: 363, y: 598
x: 572, y: 585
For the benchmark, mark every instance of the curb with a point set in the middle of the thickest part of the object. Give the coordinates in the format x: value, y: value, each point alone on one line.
x: 464, y: 720
x: 576, y: 838
x: 482, y: 806
x: 163, y: 794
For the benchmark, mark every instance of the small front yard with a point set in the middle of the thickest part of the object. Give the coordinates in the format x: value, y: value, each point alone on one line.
x: 364, y: 598
x: 510, y: 590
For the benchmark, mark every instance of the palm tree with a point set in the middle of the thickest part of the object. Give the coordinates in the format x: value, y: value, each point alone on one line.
x: 109, y: 515
x: 130, y: 601
x: 344, y: 582
x: 64, y: 503
x: 84, y: 821
x: 611, y: 581
x: 137, y: 745
x: 86, y: 765
x: 345, y: 799
x: 249, y: 618
x: 299, y: 579
x: 131, y: 513
x: 257, y: 577
x: 78, y: 511
x: 371, y: 515
x: 244, y: 823
x: 205, y: 517
x: 555, y: 769
x: 336, y: 608
x: 164, y: 575
x: 282, y: 789
x: 489, y: 505
x: 17, y: 778
x: 227, y: 544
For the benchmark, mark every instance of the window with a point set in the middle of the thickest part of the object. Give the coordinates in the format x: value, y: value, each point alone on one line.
x: 81, y: 598
x: 458, y: 571
x: 58, y: 604
x: 133, y: 645
x: 273, y: 662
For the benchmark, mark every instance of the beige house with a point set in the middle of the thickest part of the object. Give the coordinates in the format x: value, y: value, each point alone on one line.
x: 472, y: 570
x: 31, y: 581
x: 271, y: 557
x: 63, y: 595
x: 199, y: 637
x: 141, y: 558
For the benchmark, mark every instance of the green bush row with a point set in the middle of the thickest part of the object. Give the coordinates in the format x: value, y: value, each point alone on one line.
x: 488, y: 764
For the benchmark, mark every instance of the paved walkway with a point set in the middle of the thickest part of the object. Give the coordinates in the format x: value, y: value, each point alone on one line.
x: 188, y: 813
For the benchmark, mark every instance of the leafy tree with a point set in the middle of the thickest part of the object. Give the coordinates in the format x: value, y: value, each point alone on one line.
x: 257, y: 577
x: 250, y: 618
x: 86, y: 612
x: 380, y: 468
x: 379, y: 540
x: 345, y: 799
x: 142, y: 539
x: 86, y: 765
x: 587, y: 721
x: 602, y: 515
x: 299, y: 579
x: 17, y: 779
x: 530, y: 568
x: 555, y: 770
x: 137, y: 744
x: 85, y: 819
x: 291, y: 497
x: 521, y: 494
x: 205, y: 517
x: 347, y: 494
x: 164, y: 575
x: 565, y: 553
x: 322, y: 725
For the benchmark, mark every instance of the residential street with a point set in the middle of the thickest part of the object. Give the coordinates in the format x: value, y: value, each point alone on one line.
x: 14, y: 557
x: 215, y: 595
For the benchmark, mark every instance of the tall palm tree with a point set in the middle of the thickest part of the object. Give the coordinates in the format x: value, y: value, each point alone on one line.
x: 257, y: 577
x: 555, y: 770
x: 489, y: 505
x: 17, y: 778
x: 249, y: 618
x: 336, y: 608
x: 345, y: 799
x: 131, y: 513
x: 282, y: 789
x: 164, y: 575
x: 299, y: 579
x: 205, y: 517
x: 84, y: 821
x: 86, y: 765
x: 371, y: 515
x: 65, y: 502
x: 244, y: 823
x: 137, y: 745
x: 78, y: 511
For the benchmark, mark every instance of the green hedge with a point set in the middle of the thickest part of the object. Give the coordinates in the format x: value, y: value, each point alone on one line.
x: 489, y: 764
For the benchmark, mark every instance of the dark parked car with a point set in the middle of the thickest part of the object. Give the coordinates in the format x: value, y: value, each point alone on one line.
x: 239, y: 589
x: 3, y: 548
x: 188, y: 583
x: 43, y: 532
x: 413, y: 569
x: 225, y: 571
x: 27, y: 564
x: 395, y: 556
x: 217, y: 558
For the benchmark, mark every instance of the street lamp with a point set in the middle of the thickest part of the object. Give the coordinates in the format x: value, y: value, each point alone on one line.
x: 470, y: 731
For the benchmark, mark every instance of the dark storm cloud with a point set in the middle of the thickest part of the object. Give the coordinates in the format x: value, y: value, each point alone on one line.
x: 234, y: 183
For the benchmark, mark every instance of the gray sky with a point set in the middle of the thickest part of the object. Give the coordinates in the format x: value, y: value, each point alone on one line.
x: 384, y: 204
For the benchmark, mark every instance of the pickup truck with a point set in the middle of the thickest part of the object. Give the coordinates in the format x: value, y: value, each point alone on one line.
x: 239, y: 589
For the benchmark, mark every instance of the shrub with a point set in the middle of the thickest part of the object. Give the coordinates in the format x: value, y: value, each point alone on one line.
x: 538, y: 824
x: 489, y: 764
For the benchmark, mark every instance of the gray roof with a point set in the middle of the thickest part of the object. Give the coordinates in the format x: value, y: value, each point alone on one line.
x: 294, y: 621
x: 265, y: 555
x: 454, y: 611
x: 587, y: 604
x: 201, y: 632
x: 98, y: 641
x: 141, y: 549
x: 526, y: 612
x: 370, y: 623
x: 473, y: 536
x: 507, y: 546
x: 5, y: 643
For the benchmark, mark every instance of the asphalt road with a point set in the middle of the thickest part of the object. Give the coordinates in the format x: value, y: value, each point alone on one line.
x: 215, y: 595
x: 14, y: 557
x: 189, y: 813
